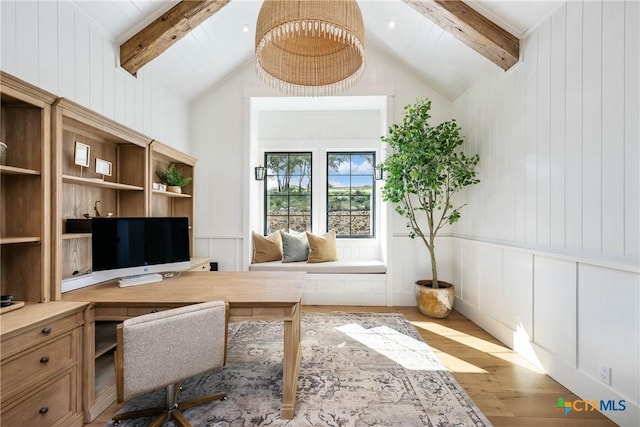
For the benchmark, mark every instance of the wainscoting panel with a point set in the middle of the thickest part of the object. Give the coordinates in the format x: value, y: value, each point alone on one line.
x: 554, y: 307
x: 471, y: 275
x: 608, y: 326
x: 491, y: 282
x: 517, y: 291
x: 564, y: 314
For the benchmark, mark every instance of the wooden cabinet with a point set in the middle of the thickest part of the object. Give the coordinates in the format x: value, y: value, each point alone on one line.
x: 48, y: 376
x: 165, y: 203
x: 24, y: 190
x: 80, y: 191
x: 41, y: 367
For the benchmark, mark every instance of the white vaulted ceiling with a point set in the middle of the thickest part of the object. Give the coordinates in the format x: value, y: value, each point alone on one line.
x: 218, y: 46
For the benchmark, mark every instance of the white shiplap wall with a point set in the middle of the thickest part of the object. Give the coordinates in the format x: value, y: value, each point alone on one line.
x: 54, y: 45
x: 547, y: 254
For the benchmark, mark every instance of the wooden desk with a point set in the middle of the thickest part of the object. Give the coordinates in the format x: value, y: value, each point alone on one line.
x: 252, y: 295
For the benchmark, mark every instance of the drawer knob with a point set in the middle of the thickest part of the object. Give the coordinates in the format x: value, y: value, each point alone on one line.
x: 44, y: 410
x: 44, y: 359
x: 46, y: 330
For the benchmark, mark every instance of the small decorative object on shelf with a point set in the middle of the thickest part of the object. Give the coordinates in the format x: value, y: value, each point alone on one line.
x: 158, y: 186
x: 3, y: 151
x: 103, y: 167
x: 82, y: 154
x: 173, y: 178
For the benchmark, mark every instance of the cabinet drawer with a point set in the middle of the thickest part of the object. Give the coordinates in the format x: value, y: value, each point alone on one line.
x: 35, y: 364
x: 46, y: 406
x: 110, y: 313
x: 39, y: 334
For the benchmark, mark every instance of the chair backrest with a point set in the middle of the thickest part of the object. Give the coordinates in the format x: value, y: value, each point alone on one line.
x: 159, y: 349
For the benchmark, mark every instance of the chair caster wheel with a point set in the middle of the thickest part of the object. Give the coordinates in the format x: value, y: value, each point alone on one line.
x: 223, y: 398
x: 117, y: 422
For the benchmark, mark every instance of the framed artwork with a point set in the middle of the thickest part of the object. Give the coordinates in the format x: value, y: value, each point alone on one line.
x: 103, y: 167
x: 82, y: 154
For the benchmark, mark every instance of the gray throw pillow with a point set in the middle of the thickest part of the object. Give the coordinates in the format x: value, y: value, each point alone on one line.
x: 294, y: 246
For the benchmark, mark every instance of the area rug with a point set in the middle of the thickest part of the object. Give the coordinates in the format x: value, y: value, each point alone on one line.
x: 357, y: 369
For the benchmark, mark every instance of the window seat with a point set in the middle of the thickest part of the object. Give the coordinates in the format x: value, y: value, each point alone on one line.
x: 332, y: 267
x: 348, y: 282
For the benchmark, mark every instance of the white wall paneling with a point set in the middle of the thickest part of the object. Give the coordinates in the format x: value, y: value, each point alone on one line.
x: 570, y: 267
x: 225, y: 250
x: 554, y: 307
x: 517, y: 292
x: 631, y: 130
x: 573, y: 127
x: 592, y: 127
x: 564, y: 314
x: 609, y: 311
x: 56, y: 46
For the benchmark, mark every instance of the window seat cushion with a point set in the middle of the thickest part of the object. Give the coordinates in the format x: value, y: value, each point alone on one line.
x: 330, y: 267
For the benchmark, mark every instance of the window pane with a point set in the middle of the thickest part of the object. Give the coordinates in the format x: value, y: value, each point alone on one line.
x: 300, y: 205
x: 339, y: 204
x: 275, y: 223
x: 361, y: 225
x: 300, y: 223
x: 338, y: 164
x: 341, y: 224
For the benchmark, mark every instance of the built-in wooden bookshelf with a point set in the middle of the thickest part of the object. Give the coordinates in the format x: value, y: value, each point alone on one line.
x: 24, y: 190
x: 165, y: 203
x: 81, y: 191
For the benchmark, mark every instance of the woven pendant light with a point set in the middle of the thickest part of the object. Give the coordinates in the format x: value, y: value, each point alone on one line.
x: 310, y: 47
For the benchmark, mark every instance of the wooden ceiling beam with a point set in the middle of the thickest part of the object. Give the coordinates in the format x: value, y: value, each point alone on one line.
x: 472, y: 28
x: 162, y: 33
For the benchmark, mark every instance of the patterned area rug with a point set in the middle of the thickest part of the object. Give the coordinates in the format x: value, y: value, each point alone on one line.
x: 359, y: 369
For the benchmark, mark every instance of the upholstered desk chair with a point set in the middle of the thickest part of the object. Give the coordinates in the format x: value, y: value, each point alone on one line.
x: 165, y: 348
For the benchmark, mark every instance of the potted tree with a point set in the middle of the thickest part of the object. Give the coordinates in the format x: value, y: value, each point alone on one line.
x: 423, y: 171
x: 174, y: 178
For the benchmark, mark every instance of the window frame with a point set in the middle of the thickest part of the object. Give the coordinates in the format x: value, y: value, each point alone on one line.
x: 373, y: 201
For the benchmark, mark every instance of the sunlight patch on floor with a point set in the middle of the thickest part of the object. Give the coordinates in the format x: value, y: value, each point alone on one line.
x: 458, y: 366
x: 404, y: 350
x: 521, y: 345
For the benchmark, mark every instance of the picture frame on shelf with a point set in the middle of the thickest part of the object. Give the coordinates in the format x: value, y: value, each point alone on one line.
x: 82, y: 154
x: 103, y: 167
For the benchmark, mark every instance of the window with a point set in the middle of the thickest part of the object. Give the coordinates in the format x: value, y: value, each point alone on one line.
x: 288, y: 192
x: 350, y: 193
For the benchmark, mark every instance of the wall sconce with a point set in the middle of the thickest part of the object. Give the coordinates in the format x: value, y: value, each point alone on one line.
x: 377, y: 173
x: 260, y: 172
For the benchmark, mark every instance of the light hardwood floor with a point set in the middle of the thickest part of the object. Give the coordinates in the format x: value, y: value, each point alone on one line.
x: 507, y: 389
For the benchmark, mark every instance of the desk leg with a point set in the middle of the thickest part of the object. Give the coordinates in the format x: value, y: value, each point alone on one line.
x: 291, y: 363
